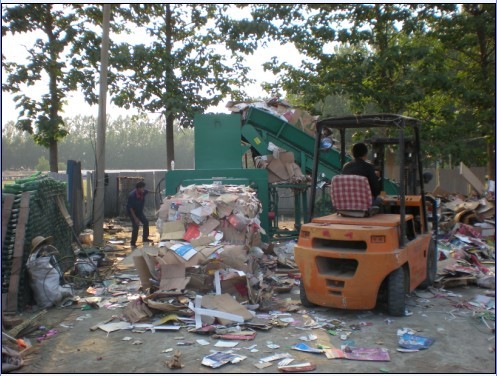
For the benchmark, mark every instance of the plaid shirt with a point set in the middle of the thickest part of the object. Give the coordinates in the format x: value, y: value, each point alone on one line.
x: 351, y: 192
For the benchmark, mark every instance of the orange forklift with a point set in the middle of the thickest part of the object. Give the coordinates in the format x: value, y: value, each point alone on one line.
x: 363, y: 255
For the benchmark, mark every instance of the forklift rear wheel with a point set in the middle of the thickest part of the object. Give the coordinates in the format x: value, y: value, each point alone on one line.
x: 303, y: 297
x: 396, y: 292
x: 431, y: 266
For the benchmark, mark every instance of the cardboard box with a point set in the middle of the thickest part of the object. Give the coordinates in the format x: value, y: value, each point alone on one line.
x: 236, y: 287
x: 143, y: 271
x: 296, y: 172
x: 201, y: 283
x: 170, y: 257
x: 173, y: 277
x: 202, y: 277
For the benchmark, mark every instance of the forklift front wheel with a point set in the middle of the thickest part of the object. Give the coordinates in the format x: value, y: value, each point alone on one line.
x: 396, y: 292
x: 303, y: 297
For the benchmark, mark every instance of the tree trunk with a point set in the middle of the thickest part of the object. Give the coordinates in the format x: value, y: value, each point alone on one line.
x: 52, y: 84
x: 169, y: 89
x: 53, y: 156
x: 170, y: 140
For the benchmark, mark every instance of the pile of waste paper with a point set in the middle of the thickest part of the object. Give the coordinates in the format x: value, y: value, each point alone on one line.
x: 211, y: 242
x: 282, y: 109
x: 208, y: 214
x: 466, y: 241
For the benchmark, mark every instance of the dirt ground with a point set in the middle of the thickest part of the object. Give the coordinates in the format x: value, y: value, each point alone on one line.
x: 464, y: 343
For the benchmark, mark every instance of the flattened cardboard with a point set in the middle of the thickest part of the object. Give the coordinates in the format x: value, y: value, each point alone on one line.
x: 224, y: 210
x: 294, y: 170
x: 151, y: 302
x: 209, y: 250
x: 209, y: 226
x: 225, y: 303
x: 278, y: 168
x: 187, y: 207
x: 227, y: 198
x: 202, y: 241
x: 185, y: 250
x: 137, y: 311
x: 173, y: 277
x: 173, y: 230
x: 286, y: 157
x: 272, y: 178
x: 235, y: 256
x: 471, y: 178
x: 232, y: 236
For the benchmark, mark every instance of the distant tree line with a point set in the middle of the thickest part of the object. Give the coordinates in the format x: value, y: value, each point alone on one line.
x: 132, y: 142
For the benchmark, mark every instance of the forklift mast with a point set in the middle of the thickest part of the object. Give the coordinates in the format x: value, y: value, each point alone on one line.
x: 378, y: 146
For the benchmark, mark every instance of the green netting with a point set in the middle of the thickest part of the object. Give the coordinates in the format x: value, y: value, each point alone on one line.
x: 44, y: 219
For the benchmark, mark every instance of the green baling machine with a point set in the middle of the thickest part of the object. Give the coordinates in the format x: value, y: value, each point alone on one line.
x: 218, y: 160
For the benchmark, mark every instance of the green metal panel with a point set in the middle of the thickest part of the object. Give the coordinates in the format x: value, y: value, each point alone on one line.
x: 217, y: 141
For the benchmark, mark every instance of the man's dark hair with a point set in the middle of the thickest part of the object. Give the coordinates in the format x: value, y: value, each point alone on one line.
x: 140, y: 184
x: 359, y: 150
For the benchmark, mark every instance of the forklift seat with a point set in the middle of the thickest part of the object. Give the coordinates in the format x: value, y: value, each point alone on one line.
x: 351, y: 196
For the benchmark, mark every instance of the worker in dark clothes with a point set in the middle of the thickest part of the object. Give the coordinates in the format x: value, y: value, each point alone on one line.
x: 134, y: 208
x: 359, y: 166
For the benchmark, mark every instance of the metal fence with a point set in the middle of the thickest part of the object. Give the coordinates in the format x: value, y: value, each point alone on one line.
x: 120, y: 183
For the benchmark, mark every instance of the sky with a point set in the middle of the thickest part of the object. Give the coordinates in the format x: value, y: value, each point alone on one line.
x: 15, y: 49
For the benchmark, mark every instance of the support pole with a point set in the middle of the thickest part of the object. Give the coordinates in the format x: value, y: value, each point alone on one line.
x: 98, y: 211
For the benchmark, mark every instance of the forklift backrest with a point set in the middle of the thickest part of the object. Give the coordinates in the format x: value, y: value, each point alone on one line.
x: 351, y: 193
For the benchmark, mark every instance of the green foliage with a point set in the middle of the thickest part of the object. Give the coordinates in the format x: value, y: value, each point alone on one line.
x: 59, y: 31
x: 434, y: 62
x: 42, y: 165
x: 192, y: 61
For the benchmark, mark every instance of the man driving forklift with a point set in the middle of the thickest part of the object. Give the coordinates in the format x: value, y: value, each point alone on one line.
x: 360, y: 166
